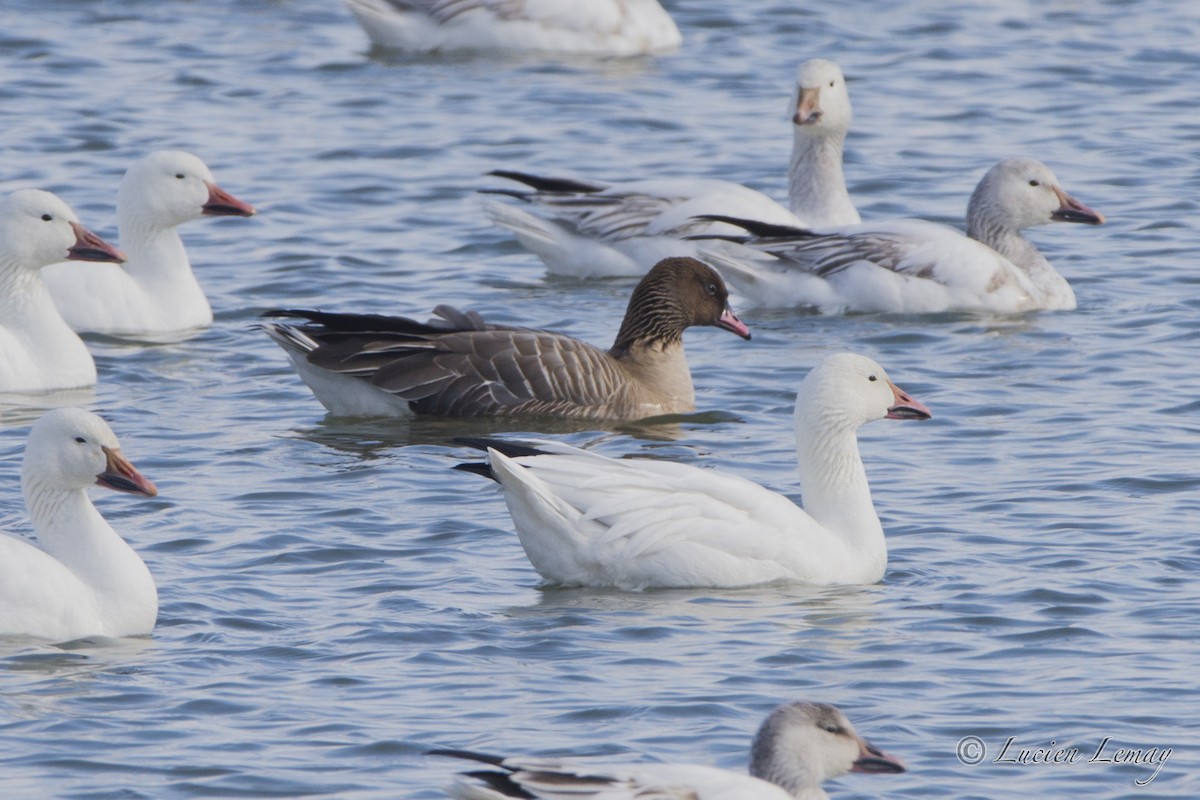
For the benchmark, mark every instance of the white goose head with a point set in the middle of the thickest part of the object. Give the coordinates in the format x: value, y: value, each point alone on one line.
x: 1020, y: 193
x: 821, y: 103
x: 801, y: 745
x: 853, y: 390
x: 70, y: 449
x: 170, y: 187
x: 37, y: 229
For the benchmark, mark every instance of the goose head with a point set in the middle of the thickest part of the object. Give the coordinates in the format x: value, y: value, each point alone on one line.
x: 821, y: 103
x: 1020, y: 193
x: 855, y: 390
x: 677, y: 293
x: 70, y: 448
x: 802, y: 744
x: 170, y: 187
x: 37, y: 229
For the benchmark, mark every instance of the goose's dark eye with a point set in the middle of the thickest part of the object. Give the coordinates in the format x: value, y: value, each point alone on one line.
x: 81, y: 440
x: 179, y: 175
x: 47, y: 217
x: 711, y: 289
x: 1034, y: 183
x: 872, y: 378
x: 834, y: 729
x: 832, y: 83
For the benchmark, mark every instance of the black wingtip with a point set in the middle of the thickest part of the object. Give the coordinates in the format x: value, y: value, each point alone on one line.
x: 477, y: 468
x: 510, y: 449
x: 758, y: 227
x: 466, y: 755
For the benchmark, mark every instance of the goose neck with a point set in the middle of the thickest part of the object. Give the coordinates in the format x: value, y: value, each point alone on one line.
x: 816, y: 183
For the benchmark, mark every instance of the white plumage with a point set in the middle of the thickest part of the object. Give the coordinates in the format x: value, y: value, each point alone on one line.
x: 588, y: 520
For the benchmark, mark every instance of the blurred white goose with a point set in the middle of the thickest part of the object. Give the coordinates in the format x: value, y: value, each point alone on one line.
x: 588, y: 520
x: 914, y: 266
x: 84, y: 580
x: 38, y: 351
x: 587, y: 27
x: 155, y: 291
x: 798, y: 747
x: 589, y: 228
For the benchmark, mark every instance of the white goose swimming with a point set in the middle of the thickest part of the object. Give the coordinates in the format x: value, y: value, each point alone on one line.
x: 914, y: 266
x: 589, y: 228
x: 84, y: 580
x: 155, y: 291
x: 586, y: 27
x: 798, y: 747
x: 588, y: 520
x: 38, y: 350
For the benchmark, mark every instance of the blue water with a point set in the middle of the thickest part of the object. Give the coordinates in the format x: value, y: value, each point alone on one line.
x: 335, y: 600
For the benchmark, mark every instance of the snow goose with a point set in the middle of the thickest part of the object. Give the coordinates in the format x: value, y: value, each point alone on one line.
x: 798, y: 747
x: 38, y: 351
x: 914, y: 266
x: 155, y: 291
x: 587, y: 27
x: 459, y: 365
x: 588, y: 520
x: 588, y: 228
x: 84, y: 580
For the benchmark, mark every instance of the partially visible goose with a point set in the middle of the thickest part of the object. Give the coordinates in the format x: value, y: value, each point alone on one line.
x: 155, y: 291
x: 589, y: 228
x: 587, y: 27
x: 588, y: 520
x: 84, y: 580
x: 913, y: 266
x: 38, y: 350
x: 798, y: 747
x: 458, y: 365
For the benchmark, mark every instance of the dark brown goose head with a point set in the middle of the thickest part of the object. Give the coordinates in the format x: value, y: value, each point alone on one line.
x: 676, y: 294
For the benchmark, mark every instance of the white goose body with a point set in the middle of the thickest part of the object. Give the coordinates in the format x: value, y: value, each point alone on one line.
x: 595, y: 229
x: 155, y: 291
x: 588, y: 520
x: 798, y: 747
x: 914, y: 266
x: 84, y: 580
x: 38, y: 350
x: 587, y: 27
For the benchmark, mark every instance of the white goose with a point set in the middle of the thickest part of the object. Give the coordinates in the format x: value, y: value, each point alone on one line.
x: 589, y: 228
x: 914, y: 266
x: 798, y: 747
x: 38, y: 351
x: 84, y: 580
x: 588, y: 520
x: 155, y: 291
x: 587, y: 27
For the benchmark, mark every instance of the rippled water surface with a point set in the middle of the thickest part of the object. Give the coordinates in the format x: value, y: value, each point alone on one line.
x: 335, y: 600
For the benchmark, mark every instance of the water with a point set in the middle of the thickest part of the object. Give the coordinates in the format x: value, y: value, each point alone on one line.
x: 335, y: 600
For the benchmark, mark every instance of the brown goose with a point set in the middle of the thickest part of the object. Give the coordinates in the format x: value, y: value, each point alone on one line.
x: 458, y: 365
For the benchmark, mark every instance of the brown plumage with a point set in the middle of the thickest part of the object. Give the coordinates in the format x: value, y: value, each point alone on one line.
x: 459, y: 365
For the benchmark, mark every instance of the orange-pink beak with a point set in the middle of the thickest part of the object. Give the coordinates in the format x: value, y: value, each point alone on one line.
x: 872, y: 759
x: 1071, y: 210
x: 808, y: 109
x: 90, y: 247
x: 731, y: 323
x: 906, y: 407
x: 222, y: 204
x: 121, y: 476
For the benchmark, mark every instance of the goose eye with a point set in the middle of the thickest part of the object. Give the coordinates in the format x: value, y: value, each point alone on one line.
x: 81, y: 440
x: 711, y: 289
x: 47, y: 217
x: 832, y: 83
x: 1034, y: 183
x: 834, y: 729
x: 179, y: 175
x: 872, y: 378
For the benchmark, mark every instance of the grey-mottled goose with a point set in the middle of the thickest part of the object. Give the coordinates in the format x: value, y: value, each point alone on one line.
x: 799, y: 746
x: 458, y: 365
x: 914, y: 266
